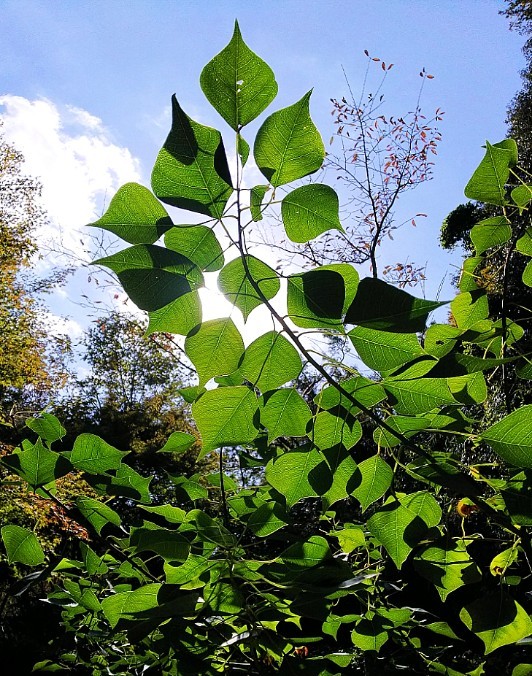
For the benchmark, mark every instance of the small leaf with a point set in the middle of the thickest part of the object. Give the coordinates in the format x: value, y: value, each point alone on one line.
x: 524, y: 243
x: 378, y: 305
x: 288, y: 146
x: 527, y: 274
x: 393, y: 526
x: 198, y: 243
x: 284, y: 413
x: 522, y: 195
x: 22, y: 546
x: 511, y: 437
x: 490, y: 232
x: 309, y: 211
x: 225, y: 417
x: 238, y: 83
x: 488, y: 183
x: 215, y: 348
x: 243, y: 148
x: 178, y: 442
x: 497, y: 620
x: 153, y: 276
x: 270, y: 361
x: 135, y: 215
x: 256, y: 196
x: 234, y: 281
x: 372, y: 479
x: 47, y: 426
x: 92, y: 454
x: 500, y: 563
x: 469, y: 308
x: 191, y: 170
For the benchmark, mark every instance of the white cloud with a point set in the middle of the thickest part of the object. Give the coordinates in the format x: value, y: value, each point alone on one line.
x: 70, y: 151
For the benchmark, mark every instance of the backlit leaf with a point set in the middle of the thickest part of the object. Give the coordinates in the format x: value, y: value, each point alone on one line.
x: 256, y: 196
x: 511, y: 437
x: 299, y: 474
x: 198, y: 243
x: 234, y: 281
x: 37, y: 465
x: 47, y: 426
x: 383, y: 351
x: 214, y: 348
x: 284, y: 413
x: 180, y: 316
x: 92, y: 454
x: 371, y: 480
x: 22, y: 546
x: 393, y: 526
x: 309, y: 211
x: 490, y: 232
x: 96, y: 513
x: 270, y: 361
x: 489, y: 180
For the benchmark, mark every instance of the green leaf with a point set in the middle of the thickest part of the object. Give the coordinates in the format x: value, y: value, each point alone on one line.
x: 342, y: 468
x: 270, y: 361
x: 225, y: 416
x: 410, y: 397
x: 316, y: 298
x: 500, y: 563
x: 365, y: 391
x: 522, y: 670
x: 524, y: 243
x: 47, y: 426
x: 470, y: 307
x: 440, y: 339
x: 350, y: 539
x: 169, y: 513
x: 255, y: 201
x: 135, y: 215
x: 497, y: 620
x: 284, y: 413
x: 243, y: 149
x: 490, y: 232
x: 288, y: 146
x: 309, y: 211
x: 191, y: 170
x: 92, y: 454
x: 511, y: 437
x: 37, y: 465
x: 370, y: 634
x: 424, y: 505
x: 94, y: 565
x: 180, y: 316
x: 168, y: 544
x: 383, y: 351
x: 267, y: 519
x: 488, y: 183
x: 468, y: 275
x: 22, y: 546
x: 153, y: 276
x: 96, y: 513
x: 329, y: 430
x: 210, y: 530
x: 522, y: 195
x: 372, y: 479
x: 234, y: 281
x: 306, y: 554
x: 527, y: 274
x: 238, y: 83
x: 128, y: 604
x: 393, y: 526
x: 378, y: 305
x: 126, y: 482
x: 299, y: 474
x: 215, y: 348
x: 178, y: 442
x: 198, y: 243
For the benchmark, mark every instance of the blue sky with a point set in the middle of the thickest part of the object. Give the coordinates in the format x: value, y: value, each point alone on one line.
x: 85, y: 88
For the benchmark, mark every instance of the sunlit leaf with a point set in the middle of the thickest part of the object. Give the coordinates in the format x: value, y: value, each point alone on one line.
x: 299, y: 474
x: 37, y: 465
x: 94, y: 455
x: 448, y: 566
x: 372, y: 479
x: 309, y: 211
x: 270, y: 361
x: 47, y: 426
x: 22, y: 546
x: 215, y: 348
x: 383, y: 351
x: 198, y: 243
x: 238, y: 281
x: 490, y: 232
x: 284, y: 413
x: 511, y: 437
x: 488, y: 183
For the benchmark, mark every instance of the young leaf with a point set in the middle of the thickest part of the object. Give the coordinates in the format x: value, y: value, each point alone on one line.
x: 215, y: 348
x: 309, y: 211
x: 270, y: 361
x: 238, y: 83
x: 198, y: 243
x: 255, y: 201
x: 92, y: 454
x: 234, y: 281
x: 135, y: 215
x: 371, y: 480
x: 488, y: 183
x: 178, y: 442
x: 284, y: 413
x: 288, y: 146
x: 511, y: 437
x: 497, y: 620
x: 153, y: 276
x: 225, y: 417
x: 378, y: 305
x: 22, y: 546
x: 191, y: 170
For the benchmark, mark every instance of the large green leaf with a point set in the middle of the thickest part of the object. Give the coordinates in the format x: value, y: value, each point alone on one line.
x: 235, y: 282
x: 180, y: 316
x: 22, y: 546
x: 424, y: 505
x: 306, y: 554
x: 309, y: 211
x: 47, y: 426
x: 125, y: 482
x: 215, y: 348
x: 365, y: 391
x: 178, y: 442
x: 378, y: 305
x: 129, y: 604
x: 329, y: 430
x: 238, y: 83
x: 191, y: 170
x: 153, y: 276
x: 92, y: 454
x: 370, y: 634
x: 410, y: 397
x: 270, y: 361
x: 267, y: 519
x: 488, y: 183
x: 316, y: 298
x: 342, y: 467
x: 371, y: 480
x: 135, y: 215
x: 288, y: 146
x: 284, y: 413
x: 37, y: 465
x: 511, y: 437
x: 198, y: 243
x: 97, y: 513
x: 393, y: 526
x: 497, y: 620
x: 299, y: 474
x: 225, y: 416
x: 168, y: 544
x: 490, y: 232
x: 384, y: 351
x: 470, y: 307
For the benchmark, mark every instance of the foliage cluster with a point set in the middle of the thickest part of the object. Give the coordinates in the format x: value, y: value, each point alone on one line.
x: 348, y: 556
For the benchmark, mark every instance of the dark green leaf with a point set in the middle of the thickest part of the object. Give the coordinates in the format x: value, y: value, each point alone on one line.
x: 316, y: 298
x: 135, y: 215
x: 191, y: 170
x: 309, y: 211
x: 288, y: 146
x: 238, y: 83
